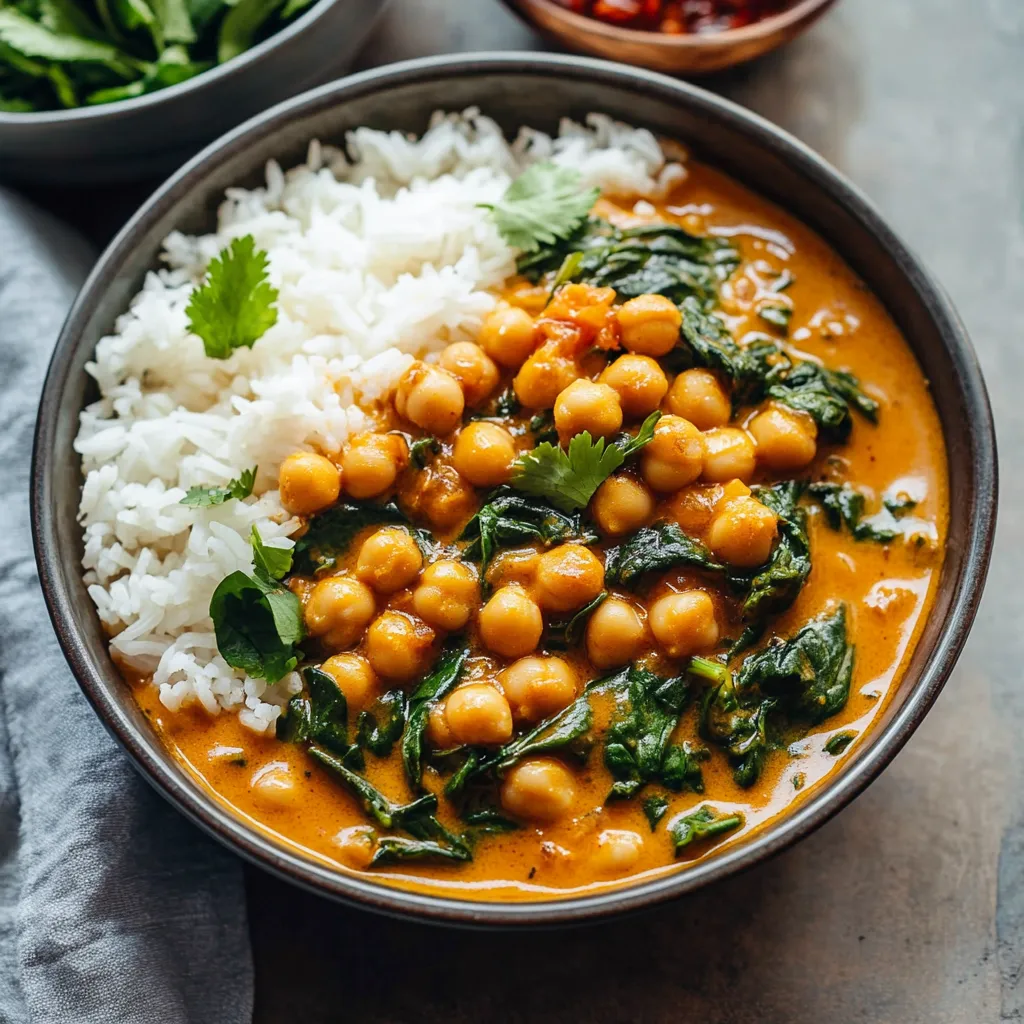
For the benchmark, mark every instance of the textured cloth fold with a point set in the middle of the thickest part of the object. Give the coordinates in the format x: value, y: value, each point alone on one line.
x: 113, y: 908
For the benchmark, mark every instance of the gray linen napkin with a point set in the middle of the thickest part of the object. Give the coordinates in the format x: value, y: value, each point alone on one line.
x: 113, y: 908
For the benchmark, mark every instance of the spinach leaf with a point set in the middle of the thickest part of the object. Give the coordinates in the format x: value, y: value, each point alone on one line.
x: 810, y: 672
x: 704, y: 823
x: 655, y: 549
x: 442, y: 679
x: 330, y: 533
x: 568, y: 730
x: 776, y: 314
x: 380, y: 728
x: 257, y: 621
x: 775, y: 585
x: 542, y: 426
x: 647, y: 710
x: 421, y: 448
x: 240, y: 26
x: 681, y: 767
x: 395, y: 849
x: 826, y: 395
x: 565, y: 633
x: 836, y: 744
x: 843, y: 504
x: 654, y: 809
x: 508, y: 518
x: 652, y: 258
x: 741, y: 729
x: 319, y: 717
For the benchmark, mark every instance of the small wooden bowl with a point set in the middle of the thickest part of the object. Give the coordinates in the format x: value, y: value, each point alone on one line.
x: 675, y: 54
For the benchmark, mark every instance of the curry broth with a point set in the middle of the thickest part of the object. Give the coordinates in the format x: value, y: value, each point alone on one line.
x: 888, y: 589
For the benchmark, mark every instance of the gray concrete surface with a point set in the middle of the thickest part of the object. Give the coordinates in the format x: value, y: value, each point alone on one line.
x: 910, y: 905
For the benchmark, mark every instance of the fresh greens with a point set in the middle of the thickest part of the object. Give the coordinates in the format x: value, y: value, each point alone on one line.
x: 380, y: 728
x: 844, y: 505
x: 508, y: 518
x: 321, y: 716
x: 442, y: 679
x: 329, y: 534
x: 565, y: 633
x: 655, y: 549
x: 652, y: 258
x: 236, y: 304
x: 543, y: 206
x: 568, y: 478
x: 568, y: 730
x: 258, y: 622
x: 205, y: 497
x: 740, y: 729
x: 68, y: 53
x: 826, y: 395
x: 654, y: 809
x: 775, y: 585
x: 704, y: 823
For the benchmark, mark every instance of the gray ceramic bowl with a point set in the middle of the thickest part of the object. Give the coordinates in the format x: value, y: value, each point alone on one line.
x: 517, y: 90
x: 155, y: 134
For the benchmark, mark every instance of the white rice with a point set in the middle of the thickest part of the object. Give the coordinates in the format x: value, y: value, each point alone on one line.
x: 379, y: 253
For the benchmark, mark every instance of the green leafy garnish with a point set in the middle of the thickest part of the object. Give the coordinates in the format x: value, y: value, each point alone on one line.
x: 544, y: 204
x: 704, y: 823
x: 236, y: 304
x: 569, y: 478
x: 258, y: 622
x: 205, y: 497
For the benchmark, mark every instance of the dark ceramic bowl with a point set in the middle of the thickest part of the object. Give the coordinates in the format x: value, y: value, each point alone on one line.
x: 155, y: 134
x: 516, y: 90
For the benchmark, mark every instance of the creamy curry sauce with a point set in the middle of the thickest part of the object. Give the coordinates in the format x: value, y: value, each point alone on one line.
x: 888, y: 589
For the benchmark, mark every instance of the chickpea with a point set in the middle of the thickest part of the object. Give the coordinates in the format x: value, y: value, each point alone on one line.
x: 675, y: 457
x: 697, y: 395
x: 438, y: 732
x: 478, y: 714
x: 639, y: 382
x: 743, y: 532
x: 355, y: 846
x: 539, y: 789
x: 617, y: 851
x: 484, y: 454
x: 650, y: 324
x: 543, y: 377
x: 398, y: 645
x: 728, y: 454
x: 438, y: 493
x: 615, y: 633
x: 684, y: 623
x: 430, y: 397
x: 371, y: 464
x: 473, y: 368
x: 446, y: 595
x: 273, y: 786
x: 584, y: 405
x: 354, y: 677
x: 339, y: 609
x: 621, y: 505
x: 538, y: 687
x: 508, y: 336
x: 389, y: 560
x: 567, y: 577
x: 308, y: 482
x: 511, y: 623
x: 786, y: 438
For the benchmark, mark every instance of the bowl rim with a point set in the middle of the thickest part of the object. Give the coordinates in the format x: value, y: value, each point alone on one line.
x: 781, y: 21
x: 219, y: 72
x: 820, y: 805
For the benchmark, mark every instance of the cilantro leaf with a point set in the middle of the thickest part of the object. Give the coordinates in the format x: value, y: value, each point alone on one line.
x: 544, y: 204
x: 568, y: 479
x: 257, y: 621
x: 235, y: 305
x: 205, y: 497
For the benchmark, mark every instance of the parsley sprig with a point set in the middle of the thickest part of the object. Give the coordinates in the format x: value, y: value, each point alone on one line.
x: 543, y: 205
x: 236, y: 304
x: 206, y: 497
x: 569, y: 478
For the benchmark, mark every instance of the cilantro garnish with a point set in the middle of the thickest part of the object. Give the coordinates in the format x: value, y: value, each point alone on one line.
x: 235, y: 305
x: 544, y: 204
x: 259, y: 622
x: 568, y: 479
x: 205, y: 497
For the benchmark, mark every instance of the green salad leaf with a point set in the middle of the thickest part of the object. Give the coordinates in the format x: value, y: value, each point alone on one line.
x: 236, y: 305
x: 543, y: 205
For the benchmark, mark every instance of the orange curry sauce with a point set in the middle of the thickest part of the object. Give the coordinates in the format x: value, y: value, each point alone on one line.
x: 888, y: 589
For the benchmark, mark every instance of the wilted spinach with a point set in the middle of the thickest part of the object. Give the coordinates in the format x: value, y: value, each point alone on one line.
x: 843, y: 504
x: 330, y: 533
x: 379, y: 728
x: 565, y: 633
x: 655, y: 549
x: 825, y: 395
x: 704, y: 823
x: 319, y: 716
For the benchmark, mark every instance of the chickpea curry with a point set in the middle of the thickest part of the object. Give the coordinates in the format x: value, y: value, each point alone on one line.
x: 605, y: 589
